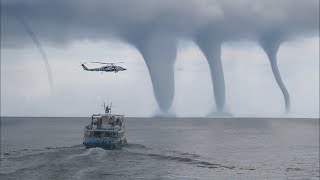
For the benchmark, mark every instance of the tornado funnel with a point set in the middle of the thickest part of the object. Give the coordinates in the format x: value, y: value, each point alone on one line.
x: 41, y: 50
x: 271, y: 47
x: 212, y: 51
x: 159, y: 52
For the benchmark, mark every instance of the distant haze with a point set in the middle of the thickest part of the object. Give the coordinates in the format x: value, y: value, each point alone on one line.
x: 173, y: 38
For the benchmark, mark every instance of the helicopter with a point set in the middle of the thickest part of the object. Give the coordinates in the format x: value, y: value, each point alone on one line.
x: 110, y: 67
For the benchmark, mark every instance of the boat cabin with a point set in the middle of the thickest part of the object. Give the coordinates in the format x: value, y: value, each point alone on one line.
x: 106, y: 121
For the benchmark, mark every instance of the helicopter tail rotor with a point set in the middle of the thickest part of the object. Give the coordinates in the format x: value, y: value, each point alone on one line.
x: 83, y: 66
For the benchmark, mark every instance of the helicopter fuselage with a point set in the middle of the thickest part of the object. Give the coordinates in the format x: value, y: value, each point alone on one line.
x: 105, y: 68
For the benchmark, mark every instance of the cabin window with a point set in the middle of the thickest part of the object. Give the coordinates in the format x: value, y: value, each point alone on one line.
x: 97, y: 133
x: 115, y: 135
x: 87, y: 134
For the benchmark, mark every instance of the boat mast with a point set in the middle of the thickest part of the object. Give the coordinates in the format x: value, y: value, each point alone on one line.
x: 107, y: 109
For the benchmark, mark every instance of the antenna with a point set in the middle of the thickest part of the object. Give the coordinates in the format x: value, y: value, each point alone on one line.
x: 110, y: 107
x: 107, y: 109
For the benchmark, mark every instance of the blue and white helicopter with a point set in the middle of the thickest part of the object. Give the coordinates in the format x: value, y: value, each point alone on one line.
x: 110, y: 67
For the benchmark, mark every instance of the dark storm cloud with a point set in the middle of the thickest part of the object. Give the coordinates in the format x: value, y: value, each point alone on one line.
x: 142, y: 22
x: 61, y: 21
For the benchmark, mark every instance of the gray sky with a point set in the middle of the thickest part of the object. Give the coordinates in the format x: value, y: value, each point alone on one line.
x: 99, y: 30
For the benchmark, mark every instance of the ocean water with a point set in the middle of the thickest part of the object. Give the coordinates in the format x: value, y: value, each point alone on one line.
x: 163, y: 148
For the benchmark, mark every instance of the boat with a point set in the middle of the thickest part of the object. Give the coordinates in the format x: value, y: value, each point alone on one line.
x: 106, y: 131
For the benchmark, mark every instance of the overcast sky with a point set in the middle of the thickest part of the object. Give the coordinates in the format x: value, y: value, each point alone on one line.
x: 76, y: 34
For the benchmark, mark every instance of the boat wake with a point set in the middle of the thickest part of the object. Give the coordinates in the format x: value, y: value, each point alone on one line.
x: 134, y: 161
x: 80, y: 163
x: 176, y: 156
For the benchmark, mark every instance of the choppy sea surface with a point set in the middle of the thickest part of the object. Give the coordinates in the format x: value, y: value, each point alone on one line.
x: 163, y: 148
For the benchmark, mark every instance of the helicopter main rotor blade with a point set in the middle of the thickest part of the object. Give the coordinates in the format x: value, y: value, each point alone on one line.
x: 106, y: 63
x: 100, y: 62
